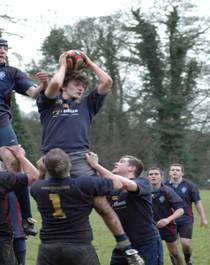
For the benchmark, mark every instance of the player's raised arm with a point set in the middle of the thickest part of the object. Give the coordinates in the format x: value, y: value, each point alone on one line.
x: 104, y: 79
x: 56, y: 82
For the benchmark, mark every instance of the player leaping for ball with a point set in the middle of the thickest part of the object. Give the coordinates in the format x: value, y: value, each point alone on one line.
x: 66, y: 116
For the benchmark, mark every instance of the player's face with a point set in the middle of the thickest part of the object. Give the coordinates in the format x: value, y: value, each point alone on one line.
x: 3, y: 53
x: 75, y: 89
x: 154, y: 177
x: 175, y: 173
x: 121, y: 167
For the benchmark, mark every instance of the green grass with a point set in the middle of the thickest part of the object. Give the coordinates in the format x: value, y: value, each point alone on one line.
x: 104, y: 242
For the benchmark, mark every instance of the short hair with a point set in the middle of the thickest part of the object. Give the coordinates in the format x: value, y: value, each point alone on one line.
x: 57, y: 163
x: 177, y: 165
x: 155, y: 168
x: 3, y: 42
x: 134, y: 161
x: 75, y: 75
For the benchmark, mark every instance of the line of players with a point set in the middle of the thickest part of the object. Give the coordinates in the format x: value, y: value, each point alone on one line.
x: 69, y: 131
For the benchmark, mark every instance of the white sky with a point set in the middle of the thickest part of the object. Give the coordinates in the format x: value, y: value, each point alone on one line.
x: 38, y: 16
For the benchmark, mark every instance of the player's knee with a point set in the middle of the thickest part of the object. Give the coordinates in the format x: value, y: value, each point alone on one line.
x: 186, y: 246
x: 175, y: 254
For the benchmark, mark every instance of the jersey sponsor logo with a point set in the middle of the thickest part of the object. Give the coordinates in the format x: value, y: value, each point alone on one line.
x: 184, y: 189
x: 63, y: 112
x: 118, y: 204
x: 2, y: 75
x: 162, y: 199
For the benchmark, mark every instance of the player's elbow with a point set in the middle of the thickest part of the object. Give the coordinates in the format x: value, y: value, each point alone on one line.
x: 117, y: 185
x: 109, y: 82
x: 32, y: 178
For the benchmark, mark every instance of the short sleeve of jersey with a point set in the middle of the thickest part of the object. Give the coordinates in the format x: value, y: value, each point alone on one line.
x: 95, y: 186
x: 22, y: 82
x: 95, y: 101
x: 143, y: 186
x: 21, y: 180
x: 195, y: 196
x: 43, y: 102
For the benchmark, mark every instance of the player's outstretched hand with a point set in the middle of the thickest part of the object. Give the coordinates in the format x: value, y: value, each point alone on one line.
x: 43, y: 78
x: 87, y: 60
x: 62, y: 59
x: 92, y: 159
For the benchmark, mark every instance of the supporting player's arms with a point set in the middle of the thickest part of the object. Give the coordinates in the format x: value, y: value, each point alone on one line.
x: 119, y: 181
x: 28, y: 168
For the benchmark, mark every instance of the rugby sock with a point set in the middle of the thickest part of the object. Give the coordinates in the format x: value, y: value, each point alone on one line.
x: 187, y: 257
x: 19, y: 246
x: 172, y: 260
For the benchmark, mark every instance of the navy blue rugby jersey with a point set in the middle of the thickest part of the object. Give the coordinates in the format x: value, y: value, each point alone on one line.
x: 11, y: 79
x: 8, y: 182
x: 189, y: 193
x: 135, y: 212
x: 66, y: 123
x: 65, y: 205
x: 164, y: 202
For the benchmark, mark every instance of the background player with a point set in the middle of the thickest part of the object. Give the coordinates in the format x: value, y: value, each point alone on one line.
x: 189, y: 193
x: 167, y: 207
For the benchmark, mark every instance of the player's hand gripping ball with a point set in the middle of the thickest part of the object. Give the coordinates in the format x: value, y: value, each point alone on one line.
x: 75, y: 60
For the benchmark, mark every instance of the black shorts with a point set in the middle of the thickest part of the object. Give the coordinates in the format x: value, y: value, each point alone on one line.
x: 168, y: 233
x: 185, y: 230
x: 66, y: 253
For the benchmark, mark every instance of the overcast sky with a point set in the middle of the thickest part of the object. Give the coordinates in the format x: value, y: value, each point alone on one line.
x: 38, y: 16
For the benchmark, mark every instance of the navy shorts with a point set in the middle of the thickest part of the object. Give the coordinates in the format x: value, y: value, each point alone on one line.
x: 185, y: 230
x: 66, y: 253
x: 8, y: 136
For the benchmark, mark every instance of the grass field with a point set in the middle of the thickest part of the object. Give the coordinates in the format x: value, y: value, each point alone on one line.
x: 104, y: 242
